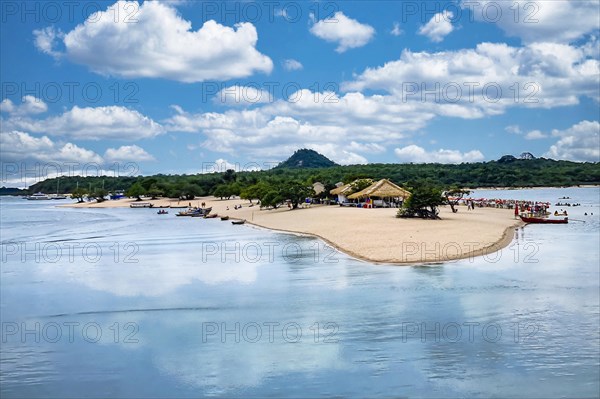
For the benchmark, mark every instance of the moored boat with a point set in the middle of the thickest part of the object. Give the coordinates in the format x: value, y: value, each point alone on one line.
x: 118, y: 194
x: 238, y: 221
x: 224, y: 218
x: 141, y: 205
x: 38, y: 196
x: 195, y: 212
x: 535, y: 220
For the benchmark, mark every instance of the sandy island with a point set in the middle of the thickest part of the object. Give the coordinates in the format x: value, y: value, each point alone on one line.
x: 374, y: 235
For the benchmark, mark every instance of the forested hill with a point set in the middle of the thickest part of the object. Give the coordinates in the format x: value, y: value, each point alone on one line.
x: 305, y: 158
x: 506, y: 172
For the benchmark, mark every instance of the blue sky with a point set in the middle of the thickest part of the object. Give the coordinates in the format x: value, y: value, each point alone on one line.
x: 175, y: 87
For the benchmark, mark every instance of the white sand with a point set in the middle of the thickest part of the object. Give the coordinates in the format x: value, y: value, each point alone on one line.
x: 372, y: 234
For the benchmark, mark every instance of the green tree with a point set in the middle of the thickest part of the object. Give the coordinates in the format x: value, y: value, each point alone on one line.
x: 229, y: 176
x: 78, y: 194
x: 99, y: 194
x: 423, y: 202
x: 256, y: 191
x: 191, y: 191
x: 136, y: 191
x: 271, y: 199
x: 155, y: 192
x: 222, y: 191
x: 296, y: 192
x: 453, y: 196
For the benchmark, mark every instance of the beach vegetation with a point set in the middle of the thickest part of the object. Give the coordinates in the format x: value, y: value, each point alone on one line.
x: 423, y: 202
x: 136, y: 190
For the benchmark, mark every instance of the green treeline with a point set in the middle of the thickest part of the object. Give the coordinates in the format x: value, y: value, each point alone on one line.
x: 506, y: 172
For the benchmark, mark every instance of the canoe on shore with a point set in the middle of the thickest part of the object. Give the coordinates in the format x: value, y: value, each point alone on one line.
x: 238, y: 221
x: 544, y: 220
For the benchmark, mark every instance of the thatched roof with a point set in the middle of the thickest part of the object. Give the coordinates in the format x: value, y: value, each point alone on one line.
x: 341, y: 190
x: 381, y: 189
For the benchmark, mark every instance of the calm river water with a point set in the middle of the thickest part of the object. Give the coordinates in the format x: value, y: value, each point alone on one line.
x: 126, y: 303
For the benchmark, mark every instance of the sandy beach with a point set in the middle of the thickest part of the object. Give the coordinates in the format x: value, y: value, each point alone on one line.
x: 374, y: 235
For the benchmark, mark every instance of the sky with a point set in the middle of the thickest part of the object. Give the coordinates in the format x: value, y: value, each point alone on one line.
x: 129, y: 88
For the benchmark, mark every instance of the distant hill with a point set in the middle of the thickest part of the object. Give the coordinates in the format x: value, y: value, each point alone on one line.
x: 12, y: 191
x: 306, y: 158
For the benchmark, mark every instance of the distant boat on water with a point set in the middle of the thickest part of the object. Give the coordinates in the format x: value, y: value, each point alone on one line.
x: 38, y: 196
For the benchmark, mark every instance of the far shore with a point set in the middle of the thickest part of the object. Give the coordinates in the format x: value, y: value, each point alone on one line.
x: 534, y: 188
x: 373, y: 235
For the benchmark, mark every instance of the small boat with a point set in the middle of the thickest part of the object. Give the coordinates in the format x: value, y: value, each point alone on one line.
x: 57, y: 196
x: 162, y: 212
x: 179, y: 206
x: 38, y: 196
x: 544, y: 220
x: 195, y: 212
x: 224, y: 218
x: 238, y: 221
x: 214, y: 215
x: 118, y: 194
x: 141, y: 205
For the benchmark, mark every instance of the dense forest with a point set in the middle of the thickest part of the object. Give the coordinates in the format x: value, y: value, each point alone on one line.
x: 505, y: 172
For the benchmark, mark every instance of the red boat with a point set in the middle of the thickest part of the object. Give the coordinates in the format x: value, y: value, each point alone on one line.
x: 544, y: 220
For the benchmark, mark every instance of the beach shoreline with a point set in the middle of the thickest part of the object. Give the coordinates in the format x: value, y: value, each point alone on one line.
x: 370, y: 235
x: 505, y: 241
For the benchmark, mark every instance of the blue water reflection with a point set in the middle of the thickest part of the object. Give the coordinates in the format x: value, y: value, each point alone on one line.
x: 139, y: 305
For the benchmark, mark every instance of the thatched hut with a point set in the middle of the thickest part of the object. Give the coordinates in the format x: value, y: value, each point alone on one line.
x: 383, y: 189
x: 342, y: 191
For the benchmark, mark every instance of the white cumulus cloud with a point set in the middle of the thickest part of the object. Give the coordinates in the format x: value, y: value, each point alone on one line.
x: 580, y: 142
x: 21, y: 146
x: 560, y: 21
x: 341, y: 127
x: 346, y: 32
x: 486, y: 80
x: 242, y: 96
x: 438, y: 27
x: 396, y: 30
x: 292, y: 65
x: 91, y: 123
x: 535, y: 135
x: 47, y: 39
x: 416, y: 154
x: 127, y: 153
x: 30, y: 105
x: 152, y: 40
